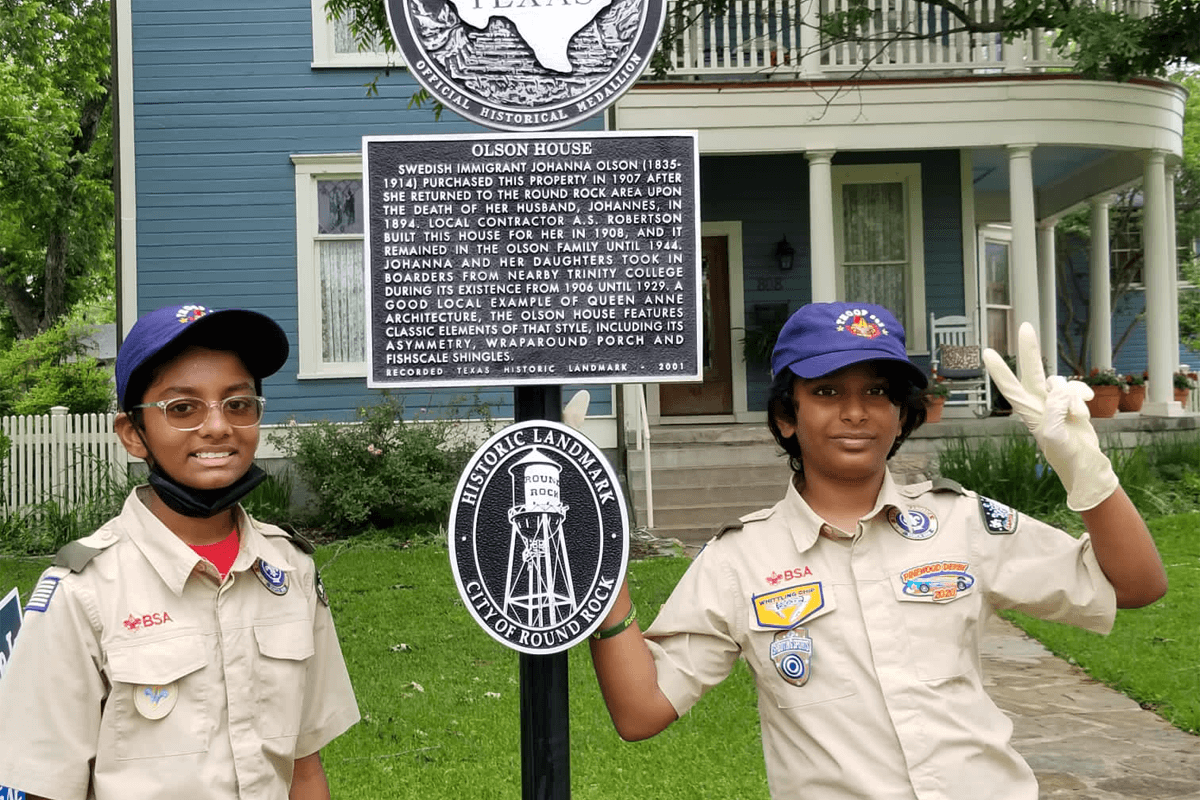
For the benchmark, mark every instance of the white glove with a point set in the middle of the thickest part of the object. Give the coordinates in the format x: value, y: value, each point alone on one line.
x: 1054, y: 411
x: 575, y: 411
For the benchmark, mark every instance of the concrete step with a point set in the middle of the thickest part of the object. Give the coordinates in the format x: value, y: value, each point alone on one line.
x: 705, y: 476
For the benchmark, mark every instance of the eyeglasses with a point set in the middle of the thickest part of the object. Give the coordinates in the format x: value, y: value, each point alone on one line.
x: 190, y: 413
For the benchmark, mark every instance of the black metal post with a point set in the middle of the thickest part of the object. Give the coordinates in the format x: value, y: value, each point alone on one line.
x: 545, y: 722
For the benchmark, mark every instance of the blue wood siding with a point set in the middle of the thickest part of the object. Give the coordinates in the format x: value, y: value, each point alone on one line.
x: 223, y: 95
x: 769, y: 195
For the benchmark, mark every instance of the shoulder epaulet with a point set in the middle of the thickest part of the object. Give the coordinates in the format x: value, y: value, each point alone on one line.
x: 736, y: 525
x: 740, y: 522
x: 947, y: 485
x: 302, y: 543
x: 76, y: 555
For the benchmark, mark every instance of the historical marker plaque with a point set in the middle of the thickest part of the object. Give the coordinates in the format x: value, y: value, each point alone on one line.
x: 532, y: 259
x: 521, y: 65
x: 539, y: 537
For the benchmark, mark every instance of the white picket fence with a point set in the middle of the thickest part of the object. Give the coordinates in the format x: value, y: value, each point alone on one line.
x: 59, y: 456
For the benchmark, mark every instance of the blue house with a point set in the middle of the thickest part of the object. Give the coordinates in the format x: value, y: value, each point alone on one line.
x: 927, y: 176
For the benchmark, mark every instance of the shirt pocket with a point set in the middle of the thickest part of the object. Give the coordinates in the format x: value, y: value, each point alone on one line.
x: 801, y: 665
x: 941, y: 633
x: 280, y: 677
x: 135, y: 668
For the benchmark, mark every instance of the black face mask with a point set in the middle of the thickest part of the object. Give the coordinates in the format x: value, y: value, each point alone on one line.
x: 203, y: 503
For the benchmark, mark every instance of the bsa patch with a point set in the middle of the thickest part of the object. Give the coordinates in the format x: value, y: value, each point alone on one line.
x: 155, y: 702
x: 788, y: 607
x: 273, y: 578
x: 792, y: 651
x: 915, y: 523
x: 997, y: 517
x: 937, y: 582
x: 40, y: 599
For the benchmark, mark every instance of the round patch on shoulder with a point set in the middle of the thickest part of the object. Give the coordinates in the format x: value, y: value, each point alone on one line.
x: 917, y: 522
x: 155, y: 702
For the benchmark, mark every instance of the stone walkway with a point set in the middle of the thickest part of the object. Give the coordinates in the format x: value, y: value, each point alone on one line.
x: 1084, y: 740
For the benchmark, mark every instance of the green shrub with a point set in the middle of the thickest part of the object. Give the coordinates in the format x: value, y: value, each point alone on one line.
x: 271, y: 500
x: 1012, y: 471
x: 379, y: 471
x: 50, y: 370
x: 42, y: 529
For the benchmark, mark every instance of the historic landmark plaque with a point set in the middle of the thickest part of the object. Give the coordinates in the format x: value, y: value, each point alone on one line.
x: 524, y: 65
x: 539, y: 537
x: 523, y: 259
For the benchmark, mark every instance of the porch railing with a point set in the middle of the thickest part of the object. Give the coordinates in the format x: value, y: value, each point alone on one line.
x: 59, y: 456
x: 781, y: 39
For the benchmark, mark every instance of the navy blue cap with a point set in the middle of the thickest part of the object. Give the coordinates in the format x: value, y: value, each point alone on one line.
x: 257, y: 339
x: 821, y: 338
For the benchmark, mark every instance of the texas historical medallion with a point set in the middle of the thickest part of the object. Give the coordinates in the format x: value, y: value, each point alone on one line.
x: 523, y: 65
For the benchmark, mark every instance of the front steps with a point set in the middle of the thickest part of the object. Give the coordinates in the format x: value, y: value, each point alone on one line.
x: 704, y: 476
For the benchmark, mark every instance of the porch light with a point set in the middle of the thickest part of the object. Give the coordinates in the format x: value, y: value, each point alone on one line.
x: 785, y: 254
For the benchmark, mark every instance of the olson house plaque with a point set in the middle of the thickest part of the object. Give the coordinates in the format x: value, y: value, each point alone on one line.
x: 522, y: 259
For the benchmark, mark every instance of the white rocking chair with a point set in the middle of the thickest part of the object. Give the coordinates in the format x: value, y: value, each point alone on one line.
x: 955, y: 356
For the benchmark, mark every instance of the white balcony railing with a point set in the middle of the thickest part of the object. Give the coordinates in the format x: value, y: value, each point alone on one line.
x: 780, y: 39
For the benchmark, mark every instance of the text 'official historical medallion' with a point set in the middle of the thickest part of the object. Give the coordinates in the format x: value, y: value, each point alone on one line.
x: 522, y: 65
x: 539, y: 537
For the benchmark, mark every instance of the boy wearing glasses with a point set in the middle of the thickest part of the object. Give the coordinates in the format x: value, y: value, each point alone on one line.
x: 183, y: 649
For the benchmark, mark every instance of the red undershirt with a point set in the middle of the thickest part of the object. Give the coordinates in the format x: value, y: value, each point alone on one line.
x: 222, y: 554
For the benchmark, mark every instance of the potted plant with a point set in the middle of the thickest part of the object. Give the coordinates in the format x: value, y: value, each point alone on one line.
x: 935, y: 399
x: 1106, y: 388
x: 1133, y: 392
x: 1183, y: 383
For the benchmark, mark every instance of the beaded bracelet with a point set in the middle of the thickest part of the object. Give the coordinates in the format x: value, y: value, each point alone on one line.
x: 619, y: 627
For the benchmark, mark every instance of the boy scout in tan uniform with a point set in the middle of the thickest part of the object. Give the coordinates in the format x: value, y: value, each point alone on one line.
x: 146, y: 670
x: 858, y: 604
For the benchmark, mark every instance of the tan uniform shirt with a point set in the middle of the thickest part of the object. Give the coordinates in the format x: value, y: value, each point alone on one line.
x: 145, y: 676
x: 865, y: 646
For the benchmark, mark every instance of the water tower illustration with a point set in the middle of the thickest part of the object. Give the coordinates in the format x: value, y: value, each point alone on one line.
x: 538, y: 585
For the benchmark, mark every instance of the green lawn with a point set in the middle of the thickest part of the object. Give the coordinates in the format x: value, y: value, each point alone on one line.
x: 439, y: 697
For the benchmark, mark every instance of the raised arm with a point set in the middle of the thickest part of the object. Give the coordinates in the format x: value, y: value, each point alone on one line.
x: 1054, y: 411
x: 628, y: 678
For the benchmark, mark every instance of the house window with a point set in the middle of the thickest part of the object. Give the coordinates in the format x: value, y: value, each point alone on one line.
x: 997, y: 298
x: 334, y: 45
x: 880, y: 246
x: 330, y: 271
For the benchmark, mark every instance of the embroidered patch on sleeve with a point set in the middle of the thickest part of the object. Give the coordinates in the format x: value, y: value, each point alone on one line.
x: 997, y: 517
x: 40, y: 599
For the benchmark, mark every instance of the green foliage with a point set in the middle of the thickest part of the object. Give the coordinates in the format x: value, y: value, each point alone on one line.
x: 271, y: 500
x: 1011, y: 471
x: 56, y: 197
x: 46, y: 527
x: 50, y: 370
x: 380, y: 471
x: 1101, y: 377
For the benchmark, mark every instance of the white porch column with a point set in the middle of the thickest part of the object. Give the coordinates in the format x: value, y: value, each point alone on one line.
x: 810, y: 42
x: 1100, y: 288
x: 1048, y: 294
x: 1172, y: 250
x: 1162, y: 347
x: 1024, y: 237
x: 820, y: 225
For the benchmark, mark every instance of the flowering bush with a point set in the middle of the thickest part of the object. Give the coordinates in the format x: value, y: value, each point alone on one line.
x: 1101, y: 377
x: 1184, y: 380
x: 1134, y: 380
x: 380, y: 471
